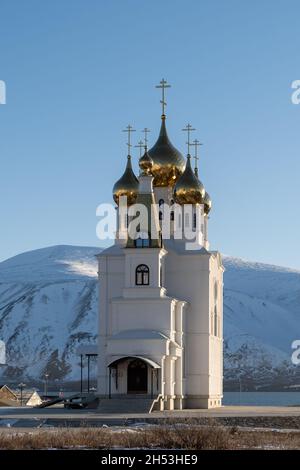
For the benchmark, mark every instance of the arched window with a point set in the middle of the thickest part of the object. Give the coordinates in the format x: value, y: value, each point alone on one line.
x: 216, y: 290
x: 160, y: 275
x: 161, y: 214
x: 215, y: 322
x: 142, y: 275
x: 194, y: 221
x: 172, y: 216
x: 212, y: 323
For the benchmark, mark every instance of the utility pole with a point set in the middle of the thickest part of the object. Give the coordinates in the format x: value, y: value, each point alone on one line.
x: 46, y: 384
x: 21, y: 387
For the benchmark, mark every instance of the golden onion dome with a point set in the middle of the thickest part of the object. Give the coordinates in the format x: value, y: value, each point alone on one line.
x: 146, y: 163
x: 207, y: 203
x: 188, y: 189
x: 127, y: 185
x: 168, y: 163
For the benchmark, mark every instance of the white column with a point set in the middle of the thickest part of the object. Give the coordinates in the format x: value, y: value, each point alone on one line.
x: 205, y: 233
x: 102, y: 378
x: 121, y: 235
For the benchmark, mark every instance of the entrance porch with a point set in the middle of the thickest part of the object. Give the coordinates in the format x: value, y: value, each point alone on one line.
x: 134, y: 375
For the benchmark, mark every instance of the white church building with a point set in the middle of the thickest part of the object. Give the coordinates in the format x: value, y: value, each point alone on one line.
x: 160, y: 343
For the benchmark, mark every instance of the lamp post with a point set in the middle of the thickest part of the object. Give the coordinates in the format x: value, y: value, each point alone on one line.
x: 46, y: 384
x: 21, y: 387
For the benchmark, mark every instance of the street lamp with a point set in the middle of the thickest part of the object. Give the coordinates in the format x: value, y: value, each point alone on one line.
x: 240, y: 394
x: 46, y: 383
x: 21, y: 387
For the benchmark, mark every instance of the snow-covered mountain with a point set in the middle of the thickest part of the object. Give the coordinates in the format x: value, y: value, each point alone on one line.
x: 261, y: 320
x: 48, y: 307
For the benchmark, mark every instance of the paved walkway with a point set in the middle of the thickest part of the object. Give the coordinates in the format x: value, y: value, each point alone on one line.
x: 61, y: 414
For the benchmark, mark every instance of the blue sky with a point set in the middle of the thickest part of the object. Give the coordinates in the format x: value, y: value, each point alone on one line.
x: 78, y: 72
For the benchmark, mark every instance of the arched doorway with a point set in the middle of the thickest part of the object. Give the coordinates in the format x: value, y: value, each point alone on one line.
x: 137, y: 376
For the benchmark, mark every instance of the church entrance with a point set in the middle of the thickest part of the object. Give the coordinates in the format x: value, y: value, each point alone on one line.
x: 137, y: 377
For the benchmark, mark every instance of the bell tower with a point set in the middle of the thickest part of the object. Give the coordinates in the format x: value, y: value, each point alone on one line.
x: 144, y: 250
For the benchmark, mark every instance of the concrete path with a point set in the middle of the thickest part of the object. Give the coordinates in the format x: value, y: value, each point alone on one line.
x: 61, y: 414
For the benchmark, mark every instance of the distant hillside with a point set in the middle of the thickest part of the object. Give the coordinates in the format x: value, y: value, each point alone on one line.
x: 261, y: 320
x: 48, y: 306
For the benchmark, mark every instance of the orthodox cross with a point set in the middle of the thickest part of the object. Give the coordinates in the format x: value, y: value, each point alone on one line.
x: 146, y: 131
x: 196, y: 144
x: 140, y: 145
x: 129, y: 129
x: 163, y: 85
x: 188, y: 128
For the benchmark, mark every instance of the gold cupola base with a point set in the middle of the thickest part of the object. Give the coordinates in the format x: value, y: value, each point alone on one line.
x: 127, y: 185
x: 146, y: 163
x: 188, y: 189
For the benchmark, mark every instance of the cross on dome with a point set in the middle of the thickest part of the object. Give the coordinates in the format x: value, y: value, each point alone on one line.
x: 188, y: 128
x: 196, y: 143
x: 129, y: 129
x: 140, y: 145
x: 163, y: 84
x: 146, y: 131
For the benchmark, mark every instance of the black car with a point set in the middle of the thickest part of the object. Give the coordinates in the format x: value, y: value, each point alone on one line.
x: 74, y: 403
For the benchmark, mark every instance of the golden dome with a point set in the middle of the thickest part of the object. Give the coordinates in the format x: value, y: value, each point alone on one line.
x: 207, y: 203
x: 168, y: 163
x: 127, y: 185
x: 146, y: 163
x: 188, y: 189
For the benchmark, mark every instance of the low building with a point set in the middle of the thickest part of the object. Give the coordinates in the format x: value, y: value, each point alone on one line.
x: 8, y: 397
x: 29, y: 398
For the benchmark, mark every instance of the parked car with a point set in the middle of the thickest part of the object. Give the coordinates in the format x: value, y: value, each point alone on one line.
x: 74, y: 403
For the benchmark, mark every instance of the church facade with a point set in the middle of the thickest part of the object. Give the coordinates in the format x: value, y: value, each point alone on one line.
x: 161, y: 288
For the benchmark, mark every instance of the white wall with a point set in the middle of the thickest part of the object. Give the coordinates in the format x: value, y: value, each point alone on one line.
x: 192, y: 277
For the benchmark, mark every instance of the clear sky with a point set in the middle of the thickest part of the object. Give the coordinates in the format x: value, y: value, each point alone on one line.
x: 77, y: 72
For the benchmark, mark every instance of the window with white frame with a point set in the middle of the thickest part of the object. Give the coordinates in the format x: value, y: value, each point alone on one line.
x: 142, y: 275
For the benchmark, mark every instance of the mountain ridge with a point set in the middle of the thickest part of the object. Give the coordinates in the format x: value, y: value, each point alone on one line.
x: 49, y: 305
